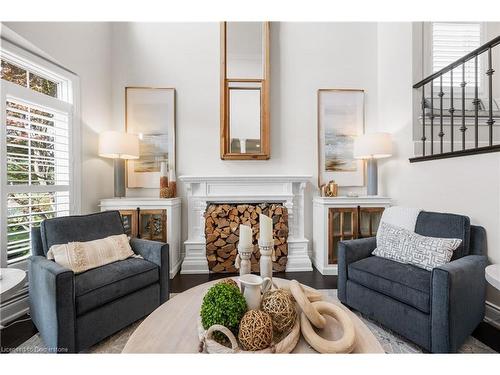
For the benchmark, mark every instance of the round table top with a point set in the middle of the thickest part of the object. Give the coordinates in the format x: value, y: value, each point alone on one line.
x: 11, y: 279
x: 172, y: 327
x: 492, y: 274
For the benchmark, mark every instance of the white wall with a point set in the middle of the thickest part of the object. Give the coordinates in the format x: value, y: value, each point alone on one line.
x: 83, y: 48
x: 467, y: 185
x: 304, y: 58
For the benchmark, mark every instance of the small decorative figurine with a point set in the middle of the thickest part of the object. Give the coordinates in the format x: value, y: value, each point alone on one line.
x: 329, y: 190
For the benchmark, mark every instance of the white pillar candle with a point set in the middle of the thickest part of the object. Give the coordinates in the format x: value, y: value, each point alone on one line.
x: 245, y: 236
x: 266, y: 228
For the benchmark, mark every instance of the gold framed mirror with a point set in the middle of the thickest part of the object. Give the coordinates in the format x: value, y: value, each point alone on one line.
x: 244, y: 103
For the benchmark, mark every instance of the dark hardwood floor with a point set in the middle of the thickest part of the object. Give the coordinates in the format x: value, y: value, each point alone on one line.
x: 314, y: 279
x: 488, y: 335
x: 22, y: 329
x: 16, y: 332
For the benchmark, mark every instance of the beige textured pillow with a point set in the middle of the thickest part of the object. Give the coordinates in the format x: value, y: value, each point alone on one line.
x: 82, y: 256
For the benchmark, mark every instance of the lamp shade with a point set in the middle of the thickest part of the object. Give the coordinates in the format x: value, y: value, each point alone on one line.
x: 374, y: 145
x: 118, y: 145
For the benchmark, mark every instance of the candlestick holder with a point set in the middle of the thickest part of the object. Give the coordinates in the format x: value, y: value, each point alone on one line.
x: 243, y: 259
x: 266, y: 249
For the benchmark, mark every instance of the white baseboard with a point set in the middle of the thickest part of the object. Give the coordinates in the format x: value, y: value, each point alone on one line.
x: 492, y: 315
x: 175, y: 269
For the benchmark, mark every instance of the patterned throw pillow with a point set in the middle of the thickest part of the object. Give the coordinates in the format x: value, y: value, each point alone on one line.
x: 404, y: 246
x: 82, y: 256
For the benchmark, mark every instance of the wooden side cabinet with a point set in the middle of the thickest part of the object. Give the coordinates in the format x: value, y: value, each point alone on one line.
x: 342, y: 218
x: 152, y: 219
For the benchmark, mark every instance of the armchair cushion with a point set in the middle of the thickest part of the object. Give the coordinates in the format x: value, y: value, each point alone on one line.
x: 403, y: 282
x: 101, y: 285
x: 61, y: 230
x: 436, y: 224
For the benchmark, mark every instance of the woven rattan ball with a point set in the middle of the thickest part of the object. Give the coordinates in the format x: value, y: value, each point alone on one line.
x: 256, y: 330
x: 279, y: 304
x: 229, y: 282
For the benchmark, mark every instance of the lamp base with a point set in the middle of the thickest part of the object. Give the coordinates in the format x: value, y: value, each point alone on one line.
x: 372, y: 176
x: 119, y: 169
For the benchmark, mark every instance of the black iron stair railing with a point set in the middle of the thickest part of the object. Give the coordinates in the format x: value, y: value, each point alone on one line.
x: 490, y: 118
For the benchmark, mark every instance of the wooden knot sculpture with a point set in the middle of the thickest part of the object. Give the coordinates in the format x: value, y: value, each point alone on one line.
x: 312, y: 315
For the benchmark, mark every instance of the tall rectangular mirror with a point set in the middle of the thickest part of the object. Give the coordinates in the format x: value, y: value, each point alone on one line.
x: 245, y: 90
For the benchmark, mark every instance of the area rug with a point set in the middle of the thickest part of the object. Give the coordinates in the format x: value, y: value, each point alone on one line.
x: 391, y: 342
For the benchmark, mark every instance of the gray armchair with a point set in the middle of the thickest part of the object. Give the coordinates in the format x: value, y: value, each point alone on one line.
x: 73, y: 312
x: 437, y: 310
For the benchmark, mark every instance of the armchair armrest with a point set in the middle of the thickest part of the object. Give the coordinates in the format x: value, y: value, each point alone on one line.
x: 157, y: 253
x: 350, y: 252
x: 52, y: 303
x: 458, y: 292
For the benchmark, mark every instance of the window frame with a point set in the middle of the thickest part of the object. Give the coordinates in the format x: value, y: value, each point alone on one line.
x: 428, y: 58
x: 68, y: 101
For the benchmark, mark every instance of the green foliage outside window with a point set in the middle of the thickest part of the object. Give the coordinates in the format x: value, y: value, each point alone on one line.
x: 30, y: 137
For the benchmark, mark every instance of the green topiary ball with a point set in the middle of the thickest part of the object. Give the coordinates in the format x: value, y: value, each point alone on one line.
x: 225, y: 305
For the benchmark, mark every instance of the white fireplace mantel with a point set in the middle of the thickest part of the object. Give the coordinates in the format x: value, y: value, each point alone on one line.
x: 286, y: 189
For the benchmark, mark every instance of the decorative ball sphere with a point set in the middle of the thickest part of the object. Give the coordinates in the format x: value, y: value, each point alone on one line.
x: 229, y: 282
x: 256, y: 330
x: 225, y: 305
x: 280, y: 306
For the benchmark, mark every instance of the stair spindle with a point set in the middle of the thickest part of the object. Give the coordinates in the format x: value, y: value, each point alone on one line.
x: 451, y: 110
x: 432, y: 117
x: 463, y: 128
x: 490, y: 120
x: 441, y: 133
x: 476, y: 106
x: 423, y: 121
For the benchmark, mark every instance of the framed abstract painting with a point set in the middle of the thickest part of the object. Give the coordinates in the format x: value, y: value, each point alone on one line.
x: 340, y: 120
x: 150, y: 113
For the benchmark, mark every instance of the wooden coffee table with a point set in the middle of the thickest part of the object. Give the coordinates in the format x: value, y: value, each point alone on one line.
x: 172, y: 327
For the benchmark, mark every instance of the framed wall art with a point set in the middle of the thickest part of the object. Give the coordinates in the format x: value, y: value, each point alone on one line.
x: 150, y: 113
x: 340, y: 120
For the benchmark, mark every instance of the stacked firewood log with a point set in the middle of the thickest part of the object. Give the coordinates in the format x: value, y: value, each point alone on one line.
x: 222, y: 222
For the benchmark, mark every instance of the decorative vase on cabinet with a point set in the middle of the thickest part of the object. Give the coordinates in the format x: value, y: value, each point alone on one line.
x: 337, y: 219
x: 151, y: 219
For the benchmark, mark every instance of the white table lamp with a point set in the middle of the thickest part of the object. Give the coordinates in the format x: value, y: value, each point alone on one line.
x: 119, y: 146
x: 372, y: 147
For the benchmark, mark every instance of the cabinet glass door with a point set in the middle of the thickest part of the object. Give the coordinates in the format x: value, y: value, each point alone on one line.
x: 342, y: 225
x: 153, y: 225
x: 369, y: 220
x: 129, y: 219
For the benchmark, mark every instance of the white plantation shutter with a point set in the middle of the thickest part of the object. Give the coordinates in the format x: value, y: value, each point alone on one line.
x: 39, y: 149
x: 451, y: 41
x: 37, y: 161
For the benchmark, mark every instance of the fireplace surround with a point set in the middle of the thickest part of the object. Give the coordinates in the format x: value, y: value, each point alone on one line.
x: 205, y: 190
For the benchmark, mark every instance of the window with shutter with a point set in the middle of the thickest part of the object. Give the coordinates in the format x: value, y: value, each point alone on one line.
x: 451, y: 41
x: 37, y: 156
x: 37, y: 174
